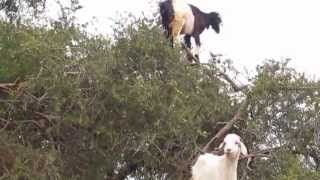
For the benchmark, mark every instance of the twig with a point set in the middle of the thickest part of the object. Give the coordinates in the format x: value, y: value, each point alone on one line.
x: 235, y: 87
x: 255, y: 155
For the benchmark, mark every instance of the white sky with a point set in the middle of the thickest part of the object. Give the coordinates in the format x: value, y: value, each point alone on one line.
x: 252, y: 31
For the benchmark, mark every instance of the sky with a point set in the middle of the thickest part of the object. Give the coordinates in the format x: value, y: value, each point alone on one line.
x: 252, y: 30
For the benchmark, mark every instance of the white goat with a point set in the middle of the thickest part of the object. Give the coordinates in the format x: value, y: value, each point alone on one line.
x: 224, y: 167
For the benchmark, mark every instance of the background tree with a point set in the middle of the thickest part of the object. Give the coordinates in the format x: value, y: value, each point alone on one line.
x: 14, y: 9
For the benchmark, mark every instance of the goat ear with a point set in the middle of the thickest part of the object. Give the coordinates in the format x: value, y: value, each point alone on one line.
x: 243, y: 149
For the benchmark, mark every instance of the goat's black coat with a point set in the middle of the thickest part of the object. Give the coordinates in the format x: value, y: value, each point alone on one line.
x: 167, y: 15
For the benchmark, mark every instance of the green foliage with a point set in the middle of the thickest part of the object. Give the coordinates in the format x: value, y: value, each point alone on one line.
x: 130, y: 105
x: 292, y: 169
x: 18, y: 50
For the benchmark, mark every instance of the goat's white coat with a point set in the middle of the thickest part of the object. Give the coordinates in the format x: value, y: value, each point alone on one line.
x: 182, y: 8
x: 214, y: 167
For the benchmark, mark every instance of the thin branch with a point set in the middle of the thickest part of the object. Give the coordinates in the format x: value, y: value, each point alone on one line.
x: 235, y: 87
x: 233, y: 84
x: 255, y: 155
x: 288, y: 88
x: 191, y: 58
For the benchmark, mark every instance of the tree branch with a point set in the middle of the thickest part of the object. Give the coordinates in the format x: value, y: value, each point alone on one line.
x: 227, y: 127
x: 292, y: 88
x: 8, y: 87
x: 235, y: 87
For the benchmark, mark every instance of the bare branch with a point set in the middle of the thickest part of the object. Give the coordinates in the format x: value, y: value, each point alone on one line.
x: 255, y: 155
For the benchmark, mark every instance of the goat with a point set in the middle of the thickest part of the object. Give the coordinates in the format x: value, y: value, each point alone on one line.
x: 213, y: 167
x: 179, y: 17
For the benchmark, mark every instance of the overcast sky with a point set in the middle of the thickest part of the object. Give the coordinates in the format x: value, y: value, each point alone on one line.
x: 252, y: 31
